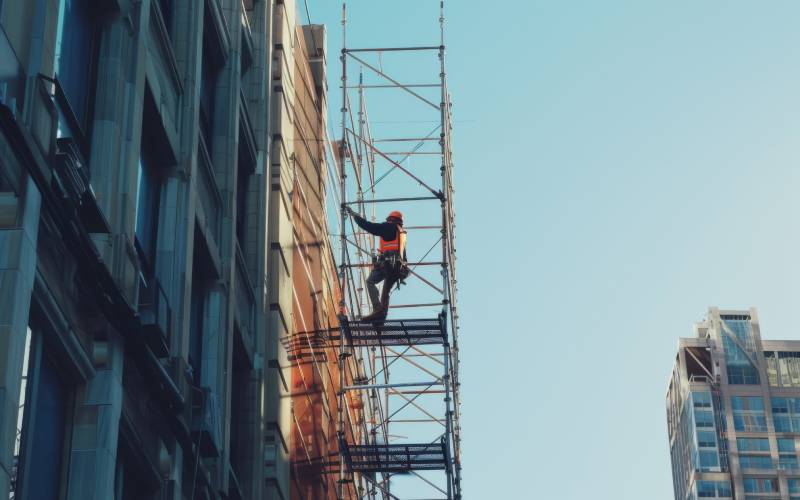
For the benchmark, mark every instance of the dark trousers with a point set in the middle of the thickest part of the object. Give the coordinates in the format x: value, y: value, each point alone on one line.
x: 380, y: 272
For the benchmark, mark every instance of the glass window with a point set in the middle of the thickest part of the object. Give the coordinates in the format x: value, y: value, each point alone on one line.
x: 748, y: 414
x: 740, y: 369
x: 23, y: 409
x: 760, y: 485
x: 165, y: 6
x: 772, y: 368
x: 148, y: 196
x: 706, y: 439
x: 760, y: 462
x: 786, y: 414
x: 752, y: 444
x: 789, y: 369
x: 43, y: 429
x: 709, y: 460
x: 208, y: 83
x: 786, y: 445
x: 713, y: 489
x: 242, y: 183
x: 704, y: 419
x: 76, y: 56
x: 10, y: 187
x: 198, y: 307
x: 794, y: 485
x: 754, y: 403
x: 787, y: 462
x: 701, y: 399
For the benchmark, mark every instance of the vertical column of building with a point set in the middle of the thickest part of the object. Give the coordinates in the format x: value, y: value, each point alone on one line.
x: 19, y: 223
x: 17, y: 269
x: 315, y: 281
x: 180, y: 244
x: 256, y: 89
x: 116, y: 140
x: 219, y: 337
x: 743, y: 376
x: 281, y: 323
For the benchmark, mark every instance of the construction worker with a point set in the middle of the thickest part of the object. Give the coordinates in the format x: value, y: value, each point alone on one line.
x: 390, y: 266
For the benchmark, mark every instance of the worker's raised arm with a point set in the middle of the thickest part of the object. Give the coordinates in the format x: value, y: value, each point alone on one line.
x: 374, y: 228
x: 380, y: 229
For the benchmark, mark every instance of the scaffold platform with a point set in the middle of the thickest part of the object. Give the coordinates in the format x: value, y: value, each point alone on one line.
x: 395, y: 458
x: 401, y: 332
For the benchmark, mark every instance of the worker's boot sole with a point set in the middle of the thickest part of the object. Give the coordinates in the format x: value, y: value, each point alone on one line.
x: 377, y: 315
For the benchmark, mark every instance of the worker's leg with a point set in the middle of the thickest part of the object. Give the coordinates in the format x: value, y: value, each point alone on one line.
x: 376, y: 276
x: 387, y: 290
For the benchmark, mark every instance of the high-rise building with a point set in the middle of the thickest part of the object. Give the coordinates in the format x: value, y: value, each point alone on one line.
x: 162, y: 246
x: 733, y: 412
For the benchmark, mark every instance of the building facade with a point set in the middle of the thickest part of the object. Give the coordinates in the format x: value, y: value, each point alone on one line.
x: 733, y: 412
x: 147, y: 248
x: 304, y: 291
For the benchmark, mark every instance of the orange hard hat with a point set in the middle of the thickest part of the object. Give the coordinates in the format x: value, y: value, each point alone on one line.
x: 395, y: 215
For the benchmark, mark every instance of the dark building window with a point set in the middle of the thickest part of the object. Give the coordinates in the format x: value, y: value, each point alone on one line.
x: 165, y: 6
x: 239, y: 398
x: 241, y: 204
x: 148, y: 196
x: 128, y: 482
x: 76, y: 58
x: 210, y: 66
x: 196, y: 328
x: 246, y: 166
x: 201, y: 280
x: 208, y: 83
x: 9, y: 192
x: 44, y: 410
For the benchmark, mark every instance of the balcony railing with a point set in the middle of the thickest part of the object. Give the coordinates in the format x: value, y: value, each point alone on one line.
x: 73, y: 175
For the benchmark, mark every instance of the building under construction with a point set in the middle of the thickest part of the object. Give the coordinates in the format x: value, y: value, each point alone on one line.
x: 180, y: 285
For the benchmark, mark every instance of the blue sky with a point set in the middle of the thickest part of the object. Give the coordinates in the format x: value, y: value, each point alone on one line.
x: 621, y: 166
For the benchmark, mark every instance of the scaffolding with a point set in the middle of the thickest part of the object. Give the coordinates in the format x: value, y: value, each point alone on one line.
x: 405, y: 383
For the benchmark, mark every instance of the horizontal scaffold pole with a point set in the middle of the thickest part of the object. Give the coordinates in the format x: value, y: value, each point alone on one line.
x: 393, y: 86
x: 413, y: 153
x: 408, y: 139
x: 415, y: 264
x: 392, y: 49
x: 387, y: 200
x: 392, y: 386
x: 428, y: 304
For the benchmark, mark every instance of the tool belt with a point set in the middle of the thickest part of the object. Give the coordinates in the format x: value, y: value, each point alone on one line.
x: 393, y: 266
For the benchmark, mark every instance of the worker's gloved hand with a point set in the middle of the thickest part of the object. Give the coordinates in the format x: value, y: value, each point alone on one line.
x: 348, y: 209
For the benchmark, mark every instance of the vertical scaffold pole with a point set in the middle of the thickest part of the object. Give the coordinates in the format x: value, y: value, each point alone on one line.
x: 445, y: 194
x: 341, y: 434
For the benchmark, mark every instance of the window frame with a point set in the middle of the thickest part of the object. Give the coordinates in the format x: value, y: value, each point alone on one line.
x: 80, y: 132
x: 39, y: 353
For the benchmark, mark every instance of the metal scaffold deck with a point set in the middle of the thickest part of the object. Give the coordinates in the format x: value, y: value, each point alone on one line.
x: 402, y: 332
x: 399, y: 406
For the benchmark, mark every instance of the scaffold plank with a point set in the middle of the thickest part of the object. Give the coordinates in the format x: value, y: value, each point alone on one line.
x: 395, y: 332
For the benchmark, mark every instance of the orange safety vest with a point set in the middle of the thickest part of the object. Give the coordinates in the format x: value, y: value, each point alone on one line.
x: 396, y: 245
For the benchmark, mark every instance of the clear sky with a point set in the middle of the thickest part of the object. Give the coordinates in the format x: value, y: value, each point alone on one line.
x: 621, y: 166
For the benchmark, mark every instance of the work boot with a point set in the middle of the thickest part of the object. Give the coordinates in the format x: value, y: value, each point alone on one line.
x: 379, y: 314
